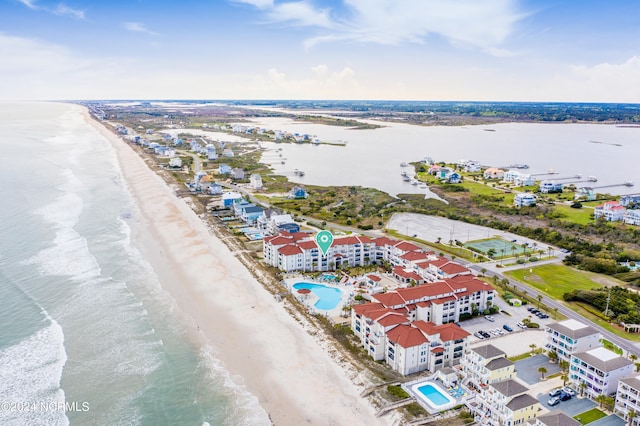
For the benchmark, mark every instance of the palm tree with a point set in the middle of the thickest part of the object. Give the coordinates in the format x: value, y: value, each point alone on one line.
x: 555, y: 313
x: 633, y: 357
x: 483, y: 271
x: 542, y: 372
x: 631, y: 415
x: 600, y: 399
x: 583, y: 387
x: 564, y: 378
x: 539, y: 300
x: 553, y: 356
x: 533, y: 348
x: 563, y: 365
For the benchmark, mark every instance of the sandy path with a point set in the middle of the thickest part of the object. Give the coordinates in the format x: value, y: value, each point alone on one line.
x: 295, y: 380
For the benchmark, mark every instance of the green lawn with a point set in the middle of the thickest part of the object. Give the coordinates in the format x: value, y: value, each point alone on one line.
x: 590, y: 416
x: 580, y: 216
x: 556, y: 280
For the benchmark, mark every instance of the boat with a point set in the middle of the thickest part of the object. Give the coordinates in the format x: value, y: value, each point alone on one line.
x: 592, y: 179
x: 629, y: 183
x: 406, y: 178
x: 404, y: 174
x: 415, y: 182
x: 403, y: 164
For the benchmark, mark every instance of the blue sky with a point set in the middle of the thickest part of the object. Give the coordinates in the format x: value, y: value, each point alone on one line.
x: 494, y: 50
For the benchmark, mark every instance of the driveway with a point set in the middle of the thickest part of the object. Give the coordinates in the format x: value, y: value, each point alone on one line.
x: 527, y: 369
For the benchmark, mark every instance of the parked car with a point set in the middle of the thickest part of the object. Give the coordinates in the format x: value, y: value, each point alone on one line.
x: 555, y: 392
x: 554, y: 401
x: 484, y: 334
x: 521, y: 325
x: 489, y: 318
x: 564, y: 396
x: 531, y: 308
x: 508, y: 328
x: 543, y: 316
x: 569, y: 390
x: 478, y: 335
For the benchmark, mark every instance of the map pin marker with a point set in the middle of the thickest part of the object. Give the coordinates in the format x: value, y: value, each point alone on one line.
x: 324, y: 239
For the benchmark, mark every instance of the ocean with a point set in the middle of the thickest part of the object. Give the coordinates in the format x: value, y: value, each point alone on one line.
x: 87, y: 335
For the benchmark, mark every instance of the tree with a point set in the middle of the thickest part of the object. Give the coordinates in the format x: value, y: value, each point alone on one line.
x: 553, y: 356
x: 491, y: 252
x: 564, y: 365
x: 539, y: 300
x: 601, y: 399
x: 583, y: 387
x: 633, y: 357
x: 555, y: 313
x: 483, y: 271
x: 564, y: 378
x: 631, y: 415
x: 542, y: 372
x: 533, y: 348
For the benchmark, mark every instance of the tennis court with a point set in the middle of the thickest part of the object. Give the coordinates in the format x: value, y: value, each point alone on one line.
x: 502, y: 248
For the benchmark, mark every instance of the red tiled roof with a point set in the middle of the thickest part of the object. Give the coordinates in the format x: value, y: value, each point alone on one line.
x: 443, y: 300
x: 414, y: 255
x: 406, y: 246
x: 447, y: 332
x: 406, y: 336
x: 441, y: 261
x: 384, y: 241
x: 345, y: 241
x: 454, y: 268
x: 374, y: 277
x: 423, y: 304
x: 438, y: 349
x: 280, y: 241
x: 388, y: 299
x: 392, y: 319
x: 297, y: 236
x: 410, y: 275
x: 365, y: 307
x: 289, y: 250
x: 307, y: 245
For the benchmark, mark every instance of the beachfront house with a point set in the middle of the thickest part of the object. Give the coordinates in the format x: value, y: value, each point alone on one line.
x: 230, y: 198
x: 550, y: 187
x: 237, y: 174
x: 227, y: 153
x: 628, y: 399
x: 453, y: 177
x: 250, y: 214
x: 493, y: 173
x: 524, y: 199
x: 224, y: 169
x: 569, y: 337
x: 510, y: 175
x: 281, y: 222
x: 585, y: 193
x: 487, y: 364
x: 505, y: 403
x: 215, y: 189
x: 611, y: 211
x: 632, y: 217
x: 175, y: 162
x: 597, y: 371
x: 255, y: 180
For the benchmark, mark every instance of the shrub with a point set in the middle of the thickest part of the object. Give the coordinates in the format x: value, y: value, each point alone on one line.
x: 533, y: 325
x: 397, y: 392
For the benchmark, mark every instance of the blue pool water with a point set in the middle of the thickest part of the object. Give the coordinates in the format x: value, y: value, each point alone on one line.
x: 329, y: 277
x: 433, y: 394
x: 328, y: 297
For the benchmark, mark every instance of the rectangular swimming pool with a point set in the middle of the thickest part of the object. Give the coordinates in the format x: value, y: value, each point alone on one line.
x: 432, y: 397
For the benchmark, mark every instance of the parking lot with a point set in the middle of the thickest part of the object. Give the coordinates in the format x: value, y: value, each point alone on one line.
x: 512, y: 343
x: 571, y: 407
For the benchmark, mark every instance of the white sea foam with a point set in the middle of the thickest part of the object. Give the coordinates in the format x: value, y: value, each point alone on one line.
x: 30, y: 373
x: 246, y: 409
x: 70, y: 253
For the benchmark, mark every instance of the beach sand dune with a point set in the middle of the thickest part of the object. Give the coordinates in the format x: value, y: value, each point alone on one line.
x: 294, y: 378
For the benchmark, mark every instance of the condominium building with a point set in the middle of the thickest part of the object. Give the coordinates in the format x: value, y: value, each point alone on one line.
x: 556, y: 418
x: 628, y: 399
x: 569, y: 337
x: 505, y: 403
x: 597, y: 371
x: 487, y: 364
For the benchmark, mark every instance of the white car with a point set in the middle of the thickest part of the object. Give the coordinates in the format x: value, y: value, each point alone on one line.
x: 521, y: 325
x: 569, y: 390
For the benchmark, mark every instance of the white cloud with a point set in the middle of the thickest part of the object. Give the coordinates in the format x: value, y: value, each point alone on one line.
x: 64, y: 10
x: 31, y: 4
x: 485, y: 25
x: 606, y: 82
x: 138, y: 27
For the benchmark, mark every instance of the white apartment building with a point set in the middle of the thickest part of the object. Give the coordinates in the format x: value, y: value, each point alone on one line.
x: 487, y: 364
x: 505, y: 403
x: 569, y: 337
x: 600, y: 370
x: 628, y: 399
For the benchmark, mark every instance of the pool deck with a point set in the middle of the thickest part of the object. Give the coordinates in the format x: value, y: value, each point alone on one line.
x: 411, y: 388
x: 309, y: 300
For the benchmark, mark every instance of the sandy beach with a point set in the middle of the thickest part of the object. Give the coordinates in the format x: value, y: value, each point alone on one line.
x: 293, y: 376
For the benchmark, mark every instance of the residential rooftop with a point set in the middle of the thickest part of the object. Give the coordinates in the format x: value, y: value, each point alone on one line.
x: 557, y: 418
x: 633, y: 381
x: 603, y: 359
x: 488, y: 351
x: 573, y: 329
x: 509, y: 387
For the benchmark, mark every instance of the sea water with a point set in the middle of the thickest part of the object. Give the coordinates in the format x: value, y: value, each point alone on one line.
x: 87, y: 336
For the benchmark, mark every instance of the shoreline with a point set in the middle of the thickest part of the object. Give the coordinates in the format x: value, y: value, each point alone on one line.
x: 293, y: 376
